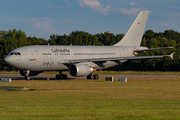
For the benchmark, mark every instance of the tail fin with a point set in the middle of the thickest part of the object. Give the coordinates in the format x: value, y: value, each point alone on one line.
x: 134, y: 35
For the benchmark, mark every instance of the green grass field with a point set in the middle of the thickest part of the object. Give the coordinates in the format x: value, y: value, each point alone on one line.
x: 138, y: 99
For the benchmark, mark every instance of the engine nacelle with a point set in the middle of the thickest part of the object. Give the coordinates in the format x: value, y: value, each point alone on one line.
x: 79, y: 70
x: 31, y: 73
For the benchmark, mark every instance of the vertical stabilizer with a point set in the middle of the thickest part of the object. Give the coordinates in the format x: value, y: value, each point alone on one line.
x: 134, y: 35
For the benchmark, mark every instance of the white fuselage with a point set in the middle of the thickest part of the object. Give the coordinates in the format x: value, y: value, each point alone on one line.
x: 51, y: 57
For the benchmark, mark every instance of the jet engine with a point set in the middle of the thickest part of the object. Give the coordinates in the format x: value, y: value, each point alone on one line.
x: 31, y: 73
x: 79, y: 70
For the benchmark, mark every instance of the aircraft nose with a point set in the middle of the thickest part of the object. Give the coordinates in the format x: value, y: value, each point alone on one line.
x: 8, y: 59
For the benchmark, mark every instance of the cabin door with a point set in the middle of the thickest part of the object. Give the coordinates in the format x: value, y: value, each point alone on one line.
x: 31, y: 54
x: 120, y: 52
x: 72, y: 55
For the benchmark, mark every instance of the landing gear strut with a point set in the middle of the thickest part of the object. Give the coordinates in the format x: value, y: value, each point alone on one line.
x: 61, y: 76
x: 27, y: 77
x: 93, y: 76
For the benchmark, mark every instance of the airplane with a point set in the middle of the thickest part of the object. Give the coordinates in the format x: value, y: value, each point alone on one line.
x: 82, y: 60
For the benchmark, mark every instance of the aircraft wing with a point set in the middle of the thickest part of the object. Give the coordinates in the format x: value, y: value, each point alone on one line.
x: 113, y: 59
x: 151, y: 49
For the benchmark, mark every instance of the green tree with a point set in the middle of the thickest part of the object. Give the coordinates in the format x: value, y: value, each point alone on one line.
x: 149, y: 34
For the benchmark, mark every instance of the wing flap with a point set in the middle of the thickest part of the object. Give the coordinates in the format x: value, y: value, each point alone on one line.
x: 151, y: 49
x: 112, y: 59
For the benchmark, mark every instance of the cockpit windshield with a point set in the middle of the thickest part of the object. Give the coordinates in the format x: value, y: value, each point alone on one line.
x: 15, y: 53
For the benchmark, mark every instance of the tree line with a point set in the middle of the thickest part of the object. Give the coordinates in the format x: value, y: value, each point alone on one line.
x: 12, y: 39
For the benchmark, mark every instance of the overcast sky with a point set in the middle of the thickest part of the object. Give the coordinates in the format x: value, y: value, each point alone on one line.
x: 40, y: 18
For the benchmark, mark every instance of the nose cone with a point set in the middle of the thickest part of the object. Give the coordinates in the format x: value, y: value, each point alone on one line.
x: 14, y: 61
x: 8, y: 59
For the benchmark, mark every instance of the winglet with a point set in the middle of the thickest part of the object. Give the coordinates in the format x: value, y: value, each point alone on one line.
x: 171, y: 55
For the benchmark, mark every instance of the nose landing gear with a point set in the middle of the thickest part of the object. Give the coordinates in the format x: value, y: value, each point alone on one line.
x: 27, y: 77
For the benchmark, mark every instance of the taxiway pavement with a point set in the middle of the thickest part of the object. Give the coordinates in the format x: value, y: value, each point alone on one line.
x: 101, y: 76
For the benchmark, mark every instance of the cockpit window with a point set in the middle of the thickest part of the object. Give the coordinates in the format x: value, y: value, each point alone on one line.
x: 15, y: 53
x: 12, y: 53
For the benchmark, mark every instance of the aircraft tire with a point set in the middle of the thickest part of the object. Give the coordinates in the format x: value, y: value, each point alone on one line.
x: 90, y: 77
x: 60, y: 77
x: 64, y: 77
x: 96, y: 76
x: 27, y: 78
x: 57, y: 77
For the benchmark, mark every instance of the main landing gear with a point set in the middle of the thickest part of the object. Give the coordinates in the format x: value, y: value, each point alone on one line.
x: 93, y: 76
x: 61, y: 76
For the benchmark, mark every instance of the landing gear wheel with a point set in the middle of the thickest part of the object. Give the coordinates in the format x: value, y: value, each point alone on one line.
x: 60, y: 77
x: 90, y: 77
x: 65, y: 77
x: 96, y: 76
x: 57, y: 77
x: 27, y: 78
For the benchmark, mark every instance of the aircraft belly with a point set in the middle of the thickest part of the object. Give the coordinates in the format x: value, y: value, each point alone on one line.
x: 47, y: 67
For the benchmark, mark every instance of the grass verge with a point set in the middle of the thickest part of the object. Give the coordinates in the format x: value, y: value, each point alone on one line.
x: 92, y: 99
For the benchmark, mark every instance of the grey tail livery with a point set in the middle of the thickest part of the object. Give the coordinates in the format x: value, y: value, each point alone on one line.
x: 134, y: 35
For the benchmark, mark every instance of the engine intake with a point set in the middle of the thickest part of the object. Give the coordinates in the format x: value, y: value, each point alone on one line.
x: 79, y: 70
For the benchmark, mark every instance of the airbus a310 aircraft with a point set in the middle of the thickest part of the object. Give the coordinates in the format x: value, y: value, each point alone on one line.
x: 81, y: 60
